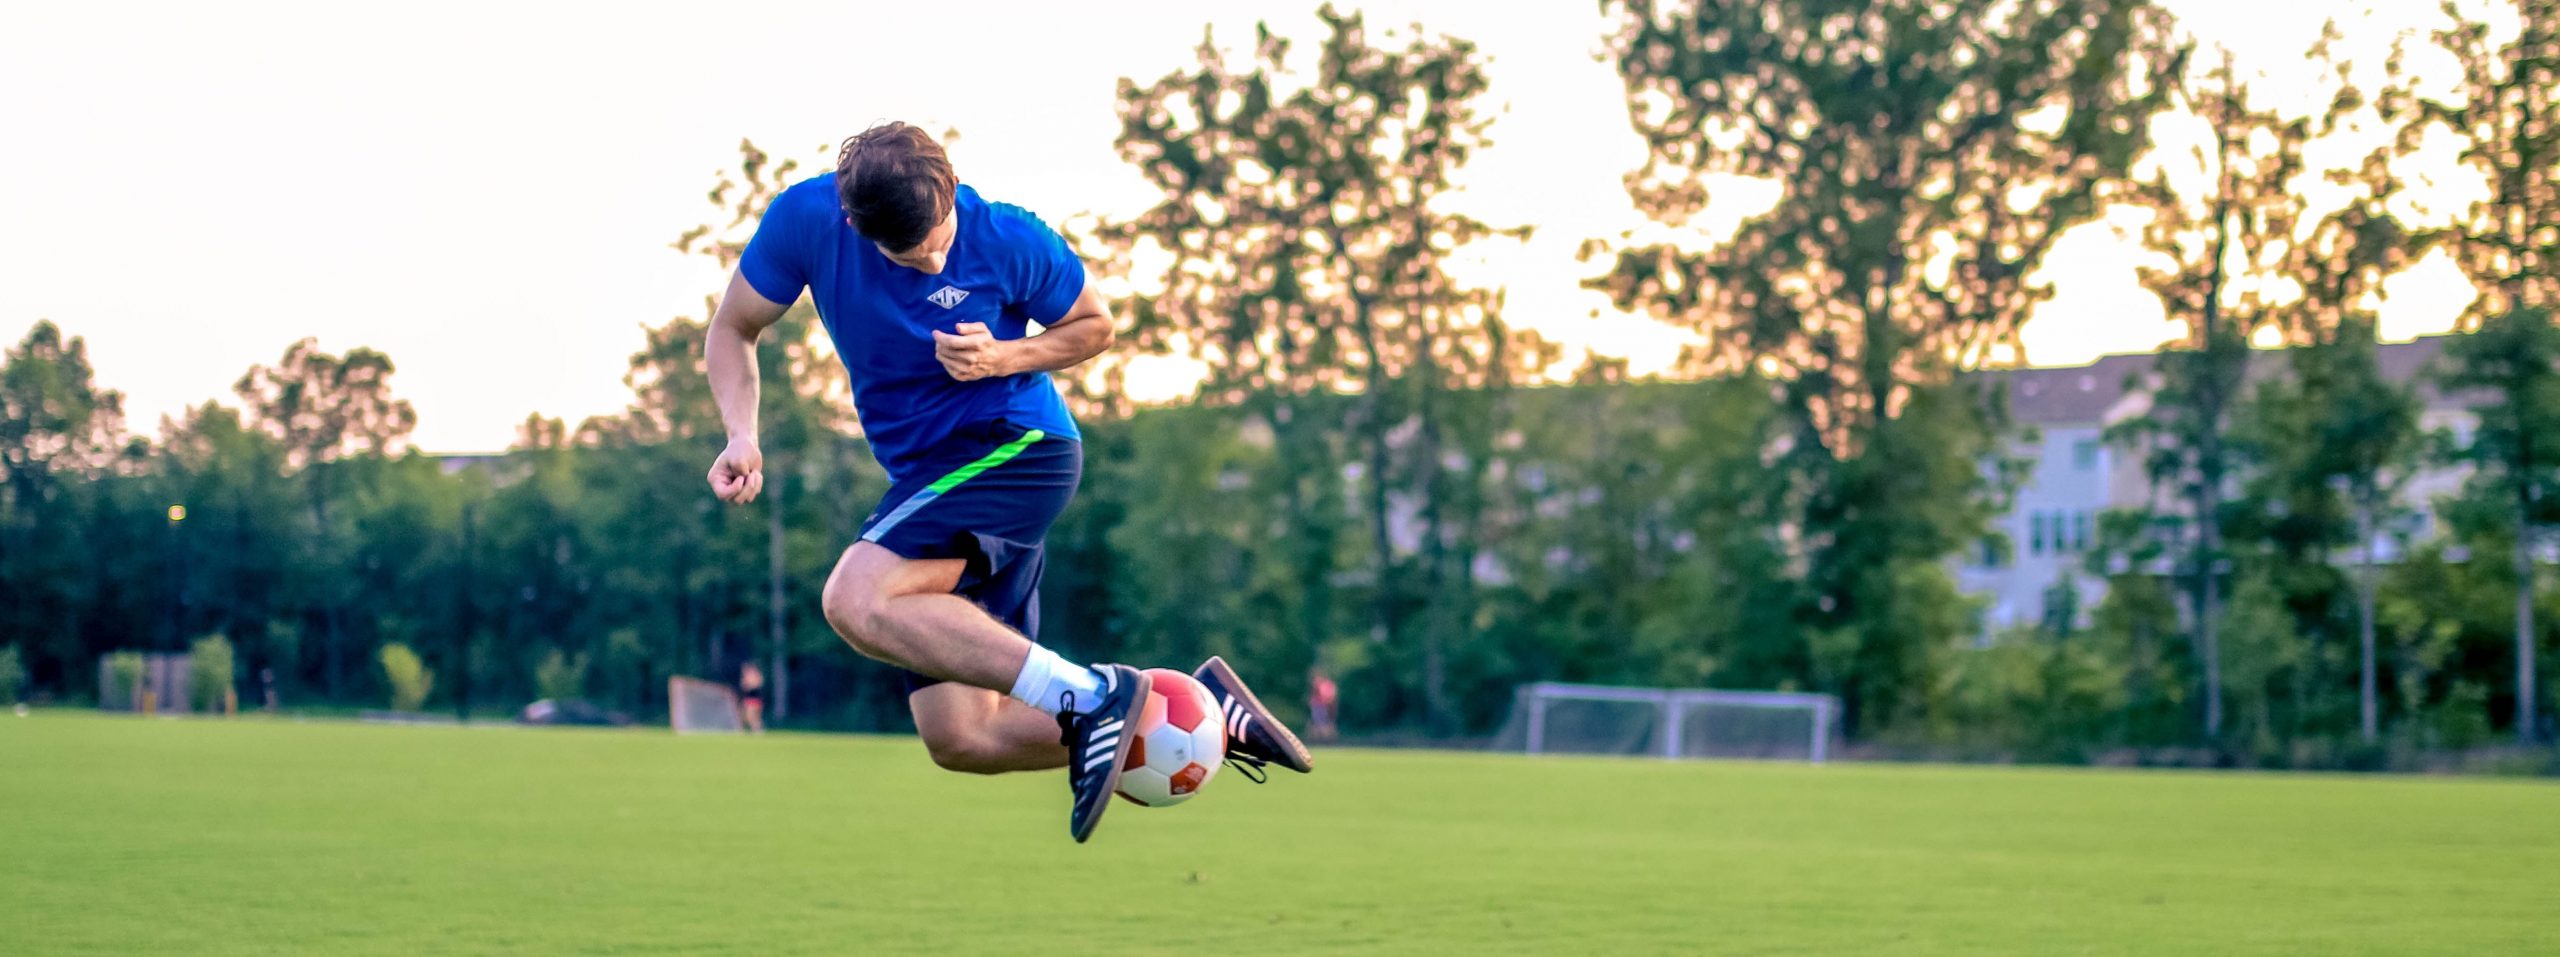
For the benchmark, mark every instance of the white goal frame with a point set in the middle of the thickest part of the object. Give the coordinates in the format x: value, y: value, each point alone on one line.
x: 1674, y: 705
x: 679, y: 685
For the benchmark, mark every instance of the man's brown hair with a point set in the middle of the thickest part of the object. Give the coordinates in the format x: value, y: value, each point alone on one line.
x: 896, y: 184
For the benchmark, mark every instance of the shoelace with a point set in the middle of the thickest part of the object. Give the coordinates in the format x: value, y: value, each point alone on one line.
x: 1249, y: 766
x: 1245, y: 764
x: 1067, y: 724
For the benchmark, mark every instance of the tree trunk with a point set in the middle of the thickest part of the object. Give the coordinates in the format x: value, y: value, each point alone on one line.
x: 2370, y: 708
x: 774, y: 617
x: 470, y: 608
x: 2525, y: 730
x: 1312, y: 551
x: 1436, y: 628
x: 336, y: 663
x: 2207, y: 600
x: 1382, y: 547
x: 2216, y: 395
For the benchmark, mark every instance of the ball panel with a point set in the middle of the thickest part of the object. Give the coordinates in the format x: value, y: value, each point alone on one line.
x: 1137, y: 754
x: 1183, y: 706
x: 1150, y: 714
x: 1169, y: 748
x: 1209, y: 746
x: 1148, y: 787
x: 1187, y: 780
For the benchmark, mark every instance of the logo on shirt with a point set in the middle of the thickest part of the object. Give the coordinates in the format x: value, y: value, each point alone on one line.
x: 948, y: 296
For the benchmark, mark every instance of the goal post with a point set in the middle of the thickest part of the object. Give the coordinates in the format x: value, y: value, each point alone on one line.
x: 1555, y: 717
x: 695, y: 706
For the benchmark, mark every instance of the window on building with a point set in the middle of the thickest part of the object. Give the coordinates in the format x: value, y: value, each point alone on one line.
x: 2081, y: 526
x: 2084, y: 455
x: 2035, y: 533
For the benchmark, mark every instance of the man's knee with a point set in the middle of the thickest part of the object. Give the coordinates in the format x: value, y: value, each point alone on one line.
x: 853, y: 603
x: 856, y: 600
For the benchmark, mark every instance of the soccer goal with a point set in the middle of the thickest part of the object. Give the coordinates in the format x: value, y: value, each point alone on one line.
x: 696, y: 706
x: 1557, y: 718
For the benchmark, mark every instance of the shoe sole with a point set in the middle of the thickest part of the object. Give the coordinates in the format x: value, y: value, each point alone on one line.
x: 1297, y: 758
x: 1119, y: 756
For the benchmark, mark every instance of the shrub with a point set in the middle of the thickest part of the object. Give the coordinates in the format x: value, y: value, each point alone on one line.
x: 209, y: 673
x: 409, y: 678
x: 124, y: 680
x: 12, y: 674
x: 560, y: 677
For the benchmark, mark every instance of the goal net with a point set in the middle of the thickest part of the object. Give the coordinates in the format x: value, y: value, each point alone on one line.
x: 1556, y: 718
x: 696, y: 706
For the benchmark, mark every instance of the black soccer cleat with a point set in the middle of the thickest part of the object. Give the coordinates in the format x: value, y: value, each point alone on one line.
x: 1254, y: 737
x: 1096, y: 737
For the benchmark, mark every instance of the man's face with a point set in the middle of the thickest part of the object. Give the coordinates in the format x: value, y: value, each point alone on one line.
x: 927, y: 256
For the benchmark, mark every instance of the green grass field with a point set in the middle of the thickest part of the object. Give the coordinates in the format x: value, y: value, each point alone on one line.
x: 139, y: 836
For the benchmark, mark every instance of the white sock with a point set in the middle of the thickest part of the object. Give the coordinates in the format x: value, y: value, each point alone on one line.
x: 1047, y: 680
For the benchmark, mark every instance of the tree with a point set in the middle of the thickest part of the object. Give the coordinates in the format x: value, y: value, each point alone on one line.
x: 1306, y: 234
x: 2506, y: 116
x: 54, y: 421
x: 802, y: 383
x: 322, y: 409
x: 2511, y: 364
x: 2365, y: 443
x: 244, y: 550
x: 2330, y: 444
x: 1634, y: 534
x: 2221, y: 244
x: 59, y: 432
x: 1926, y: 157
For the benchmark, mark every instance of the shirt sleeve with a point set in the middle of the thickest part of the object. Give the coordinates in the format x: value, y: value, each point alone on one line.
x: 776, y: 262
x: 1049, y: 276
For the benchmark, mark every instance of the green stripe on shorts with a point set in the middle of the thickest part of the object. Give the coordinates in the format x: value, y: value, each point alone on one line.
x: 992, y: 459
x: 1001, y: 455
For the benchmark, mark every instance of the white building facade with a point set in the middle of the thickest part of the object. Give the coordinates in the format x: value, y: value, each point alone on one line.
x: 2075, y: 475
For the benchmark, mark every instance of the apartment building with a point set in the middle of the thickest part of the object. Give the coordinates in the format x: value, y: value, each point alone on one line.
x: 2063, y: 415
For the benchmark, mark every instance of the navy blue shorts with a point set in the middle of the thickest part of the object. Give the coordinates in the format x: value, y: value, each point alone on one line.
x: 988, y: 494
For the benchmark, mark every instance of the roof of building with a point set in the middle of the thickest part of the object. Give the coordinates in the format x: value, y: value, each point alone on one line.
x: 2073, y: 394
x: 2086, y: 394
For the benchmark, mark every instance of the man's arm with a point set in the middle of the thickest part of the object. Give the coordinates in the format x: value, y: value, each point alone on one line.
x: 729, y: 352
x: 1079, y: 335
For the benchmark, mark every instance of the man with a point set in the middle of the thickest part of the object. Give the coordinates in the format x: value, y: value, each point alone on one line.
x: 751, y: 697
x: 928, y: 293
x: 1322, y: 696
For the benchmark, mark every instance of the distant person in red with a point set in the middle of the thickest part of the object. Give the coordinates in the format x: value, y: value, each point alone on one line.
x: 1321, y: 696
x: 751, y: 697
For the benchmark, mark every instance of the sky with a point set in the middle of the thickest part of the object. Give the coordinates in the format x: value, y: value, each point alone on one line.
x: 488, y: 191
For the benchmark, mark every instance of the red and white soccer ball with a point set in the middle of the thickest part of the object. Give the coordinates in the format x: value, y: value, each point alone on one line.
x: 1178, y: 744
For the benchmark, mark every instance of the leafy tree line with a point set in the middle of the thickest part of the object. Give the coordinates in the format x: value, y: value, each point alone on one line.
x: 1378, y: 477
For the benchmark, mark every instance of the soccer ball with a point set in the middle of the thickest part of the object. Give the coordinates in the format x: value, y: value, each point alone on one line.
x: 1177, y: 745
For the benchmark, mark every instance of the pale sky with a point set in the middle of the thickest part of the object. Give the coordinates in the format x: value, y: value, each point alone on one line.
x: 486, y: 191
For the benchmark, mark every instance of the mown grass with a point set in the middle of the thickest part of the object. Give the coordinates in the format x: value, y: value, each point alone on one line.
x: 143, y: 836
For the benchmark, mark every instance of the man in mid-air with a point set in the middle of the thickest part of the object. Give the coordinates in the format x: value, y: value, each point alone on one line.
x: 928, y: 292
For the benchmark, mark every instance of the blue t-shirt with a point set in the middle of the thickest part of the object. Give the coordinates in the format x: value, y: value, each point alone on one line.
x: 1006, y: 269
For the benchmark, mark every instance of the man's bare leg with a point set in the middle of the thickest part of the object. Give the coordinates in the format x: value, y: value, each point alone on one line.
x: 902, y: 611
x: 983, y: 732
